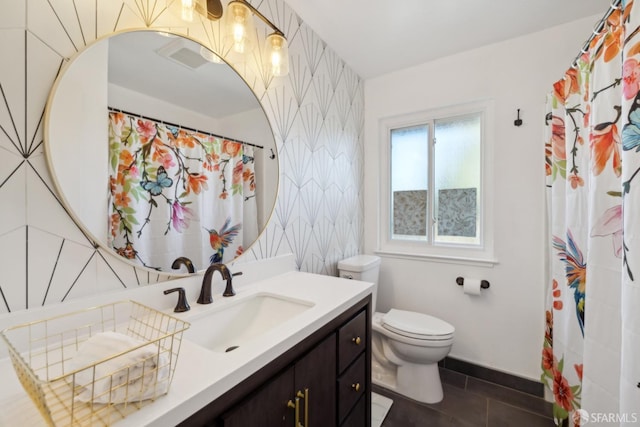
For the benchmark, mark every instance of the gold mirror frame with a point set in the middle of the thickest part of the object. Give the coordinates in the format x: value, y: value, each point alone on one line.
x: 60, y: 157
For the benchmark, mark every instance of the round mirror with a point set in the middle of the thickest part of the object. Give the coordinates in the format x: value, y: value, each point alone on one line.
x: 160, y: 151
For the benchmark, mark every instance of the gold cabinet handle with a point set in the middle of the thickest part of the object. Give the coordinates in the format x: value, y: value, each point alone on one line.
x: 304, y: 396
x: 356, y: 386
x: 356, y: 340
x: 296, y: 406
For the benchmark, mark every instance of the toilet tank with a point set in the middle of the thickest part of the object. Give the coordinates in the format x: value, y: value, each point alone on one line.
x: 360, y: 267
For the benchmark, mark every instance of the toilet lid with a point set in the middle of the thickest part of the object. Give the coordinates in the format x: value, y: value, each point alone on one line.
x: 417, y: 325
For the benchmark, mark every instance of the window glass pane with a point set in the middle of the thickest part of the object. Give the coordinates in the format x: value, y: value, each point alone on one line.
x: 409, y: 182
x: 457, y: 179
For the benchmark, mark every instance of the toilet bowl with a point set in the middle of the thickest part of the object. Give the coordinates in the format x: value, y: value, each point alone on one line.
x: 406, y: 345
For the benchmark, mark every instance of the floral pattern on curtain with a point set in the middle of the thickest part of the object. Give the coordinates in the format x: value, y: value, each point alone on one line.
x: 592, y: 162
x: 176, y: 192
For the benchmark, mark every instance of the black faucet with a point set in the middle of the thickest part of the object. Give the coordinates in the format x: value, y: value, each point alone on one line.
x: 182, y: 305
x: 183, y: 261
x: 205, y: 292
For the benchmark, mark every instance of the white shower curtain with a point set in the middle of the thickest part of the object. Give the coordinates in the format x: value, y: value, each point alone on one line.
x: 177, y: 192
x: 592, y: 342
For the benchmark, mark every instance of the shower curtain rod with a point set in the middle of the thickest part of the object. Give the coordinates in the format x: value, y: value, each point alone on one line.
x: 117, y: 110
x: 585, y: 47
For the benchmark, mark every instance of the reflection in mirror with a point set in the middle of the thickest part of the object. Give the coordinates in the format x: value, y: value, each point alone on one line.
x: 159, y: 153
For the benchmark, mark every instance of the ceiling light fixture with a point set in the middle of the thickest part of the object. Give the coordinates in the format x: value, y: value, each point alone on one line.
x: 239, y: 26
x: 276, y: 53
x: 240, y: 32
x: 240, y: 29
x: 212, y: 9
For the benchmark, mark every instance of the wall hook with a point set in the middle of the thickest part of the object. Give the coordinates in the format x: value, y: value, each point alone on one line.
x: 272, y: 155
x: 517, y: 121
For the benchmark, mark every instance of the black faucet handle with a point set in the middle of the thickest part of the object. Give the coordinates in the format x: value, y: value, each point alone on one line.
x: 228, y: 290
x: 182, y: 304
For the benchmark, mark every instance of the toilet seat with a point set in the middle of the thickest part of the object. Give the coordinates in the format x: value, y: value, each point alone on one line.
x: 416, y: 325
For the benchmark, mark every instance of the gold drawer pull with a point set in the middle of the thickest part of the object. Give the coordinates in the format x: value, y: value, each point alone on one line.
x: 356, y: 386
x: 356, y: 340
x: 295, y: 406
x: 304, y: 396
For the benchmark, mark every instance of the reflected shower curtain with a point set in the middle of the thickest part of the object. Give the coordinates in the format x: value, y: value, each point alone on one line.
x: 177, y: 193
x: 592, y: 340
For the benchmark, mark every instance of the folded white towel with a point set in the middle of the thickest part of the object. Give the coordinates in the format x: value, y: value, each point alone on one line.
x: 136, y: 375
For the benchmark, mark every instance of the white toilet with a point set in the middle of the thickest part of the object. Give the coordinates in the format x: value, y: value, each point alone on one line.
x: 407, y: 346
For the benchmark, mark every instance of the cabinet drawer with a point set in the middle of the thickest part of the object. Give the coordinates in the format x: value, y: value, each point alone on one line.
x: 357, y: 417
x: 352, y: 339
x: 351, y: 386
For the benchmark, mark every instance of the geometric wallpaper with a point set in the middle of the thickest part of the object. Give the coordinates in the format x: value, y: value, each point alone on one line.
x: 316, y: 113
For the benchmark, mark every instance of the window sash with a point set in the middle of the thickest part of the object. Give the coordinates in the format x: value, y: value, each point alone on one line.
x: 468, y: 184
x: 476, y: 254
x: 411, y: 191
x: 417, y: 144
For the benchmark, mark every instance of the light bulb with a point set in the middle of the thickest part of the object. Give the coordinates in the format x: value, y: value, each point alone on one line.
x: 276, y: 60
x: 239, y: 36
x: 188, y: 6
x: 239, y: 26
x: 277, y: 55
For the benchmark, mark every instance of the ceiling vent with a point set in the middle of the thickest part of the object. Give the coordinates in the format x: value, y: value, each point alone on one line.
x: 182, y: 52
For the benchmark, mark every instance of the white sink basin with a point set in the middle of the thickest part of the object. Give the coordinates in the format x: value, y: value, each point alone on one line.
x: 239, y: 322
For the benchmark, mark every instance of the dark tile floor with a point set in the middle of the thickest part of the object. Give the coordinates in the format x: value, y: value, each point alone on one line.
x: 469, y: 402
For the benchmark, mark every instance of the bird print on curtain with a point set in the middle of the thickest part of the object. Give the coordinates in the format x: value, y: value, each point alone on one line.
x: 576, y: 272
x: 221, y: 239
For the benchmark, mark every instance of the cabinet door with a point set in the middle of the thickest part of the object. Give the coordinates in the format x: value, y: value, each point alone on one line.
x: 267, y: 406
x: 316, y: 374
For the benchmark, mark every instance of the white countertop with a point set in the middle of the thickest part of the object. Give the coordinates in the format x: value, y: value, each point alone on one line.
x: 202, y: 375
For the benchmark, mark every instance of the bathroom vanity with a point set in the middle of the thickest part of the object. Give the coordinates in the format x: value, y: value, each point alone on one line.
x: 322, y: 381
x: 289, y: 349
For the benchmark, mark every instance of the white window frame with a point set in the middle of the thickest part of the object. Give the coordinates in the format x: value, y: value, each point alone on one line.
x: 481, y: 254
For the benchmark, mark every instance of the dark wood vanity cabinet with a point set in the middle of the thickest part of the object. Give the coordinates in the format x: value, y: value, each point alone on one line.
x: 353, y: 356
x: 323, y: 381
x: 266, y: 407
x: 303, y: 394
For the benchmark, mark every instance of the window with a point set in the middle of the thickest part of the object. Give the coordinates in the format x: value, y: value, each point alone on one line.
x: 436, y: 183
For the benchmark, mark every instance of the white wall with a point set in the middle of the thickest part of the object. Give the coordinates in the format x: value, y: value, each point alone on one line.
x: 503, y: 328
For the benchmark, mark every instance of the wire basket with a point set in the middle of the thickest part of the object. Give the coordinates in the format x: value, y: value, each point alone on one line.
x: 132, y: 351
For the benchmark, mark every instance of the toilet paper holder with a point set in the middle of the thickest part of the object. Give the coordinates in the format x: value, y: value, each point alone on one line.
x: 484, y: 284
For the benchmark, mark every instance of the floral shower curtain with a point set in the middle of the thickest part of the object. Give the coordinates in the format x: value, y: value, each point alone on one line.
x: 592, y: 340
x: 178, y: 193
